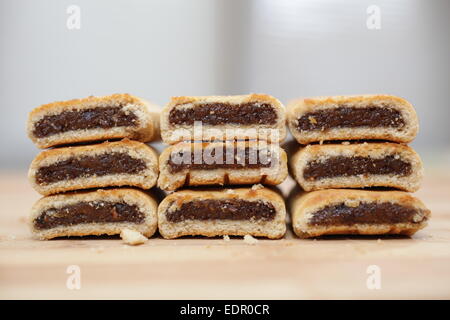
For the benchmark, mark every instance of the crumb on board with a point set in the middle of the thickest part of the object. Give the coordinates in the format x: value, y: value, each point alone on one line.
x: 97, y: 249
x: 248, y: 239
x: 226, y: 238
x: 257, y: 186
x: 132, y: 237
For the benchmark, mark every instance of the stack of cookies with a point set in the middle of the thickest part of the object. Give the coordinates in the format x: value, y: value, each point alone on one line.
x: 350, y: 143
x: 222, y: 141
x: 82, y: 161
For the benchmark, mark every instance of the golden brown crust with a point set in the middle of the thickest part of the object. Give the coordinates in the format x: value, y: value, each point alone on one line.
x: 229, y: 193
x: 145, y: 201
x: 304, y: 155
x: 210, y: 228
x: 86, y: 103
x: 299, y: 107
x: 273, y: 175
x: 137, y: 150
x: 311, y: 103
x: 173, y: 134
x: 305, y: 204
x: 252, y: 97
x: 147, y: 113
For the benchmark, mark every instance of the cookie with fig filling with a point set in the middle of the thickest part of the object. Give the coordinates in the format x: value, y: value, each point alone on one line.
x: 93, y: 119
x: 221, y: 163
x: 357, y: 165
x: 100, y: 212
x: 108, y: 164
x: 253, y: 211
x: 252, y: 116
x: 363, y: 212
x: 363, y: 117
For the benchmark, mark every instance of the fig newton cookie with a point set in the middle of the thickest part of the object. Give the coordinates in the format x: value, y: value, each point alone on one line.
x: 93, y: 119
x: 365, y: 117
x: 245, y: 211
x: 357, y: 165
x: 253, y: 116
x: 341, y: 211
x: 221, y: 163
x: 120, y: 163
x: 94, y: 213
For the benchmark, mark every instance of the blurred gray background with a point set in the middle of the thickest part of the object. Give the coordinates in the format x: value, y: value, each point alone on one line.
x: 161, y: 48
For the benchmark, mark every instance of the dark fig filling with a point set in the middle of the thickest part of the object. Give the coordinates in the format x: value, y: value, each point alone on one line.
x: 224, y: 209
x: 89, y: 212
x: 89, y: 166
x: 249, y: 158
x: 224, y: 113
x: 350, y: 117
x: 365, y: 213
x: 93, y: 118
x: 351, y: 166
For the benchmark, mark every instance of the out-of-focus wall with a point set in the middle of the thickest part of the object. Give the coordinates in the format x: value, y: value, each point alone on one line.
x: 323, y: 47
x: 153, y: 49
x: 157, y: 49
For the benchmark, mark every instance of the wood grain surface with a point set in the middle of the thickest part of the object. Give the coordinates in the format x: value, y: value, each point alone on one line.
x: 198, y: 268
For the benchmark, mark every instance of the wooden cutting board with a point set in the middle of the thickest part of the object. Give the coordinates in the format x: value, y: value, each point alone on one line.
x: 197, y: 268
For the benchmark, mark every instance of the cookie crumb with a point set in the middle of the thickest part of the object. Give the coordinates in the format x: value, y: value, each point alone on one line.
x: 288, y: 243
x: 257, y: 186
x: 379, y: 241
x: 132, y: 237
x: 226, y: 238
x: 248, y: 239
x: 346, y: 143
x: 97, y: 249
